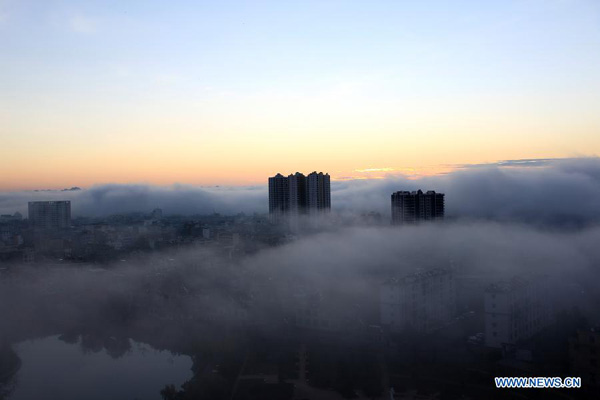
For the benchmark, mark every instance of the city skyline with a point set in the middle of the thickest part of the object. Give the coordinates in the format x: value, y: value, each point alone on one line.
x: 201, y: 94
x: 278, y: 200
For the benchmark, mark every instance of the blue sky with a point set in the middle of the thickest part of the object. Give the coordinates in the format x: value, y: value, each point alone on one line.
x: 249, y: 45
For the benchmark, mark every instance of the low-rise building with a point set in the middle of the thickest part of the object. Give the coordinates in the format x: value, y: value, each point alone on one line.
x: 516, y: 310
x: 423, y: 301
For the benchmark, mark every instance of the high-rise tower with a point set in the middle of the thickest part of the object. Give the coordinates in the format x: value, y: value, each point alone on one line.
x: 299, y: 194
x: 417, y: 206
x: 279, y: 195
x: 318, y: 192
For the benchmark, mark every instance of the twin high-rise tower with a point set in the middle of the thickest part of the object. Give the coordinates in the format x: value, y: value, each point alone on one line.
x: 417, y: 206
x: 299, y: 194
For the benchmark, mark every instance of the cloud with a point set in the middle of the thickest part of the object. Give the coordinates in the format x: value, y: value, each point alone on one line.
x: 125, y: 198
x: 385, y: 169
x: 562, y: 192
x: 524, y: 162
x: 483, y: 247
x: 346, y: 266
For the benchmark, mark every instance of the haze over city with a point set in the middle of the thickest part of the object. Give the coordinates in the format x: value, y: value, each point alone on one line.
x: 261, y: 200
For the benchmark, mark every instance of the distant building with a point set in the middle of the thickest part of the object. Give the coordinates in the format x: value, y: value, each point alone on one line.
x: 584, y: 352
x: 314, y: 309
x: 299, y: 194
x: 422, y: 301
x: 28, y: 256
x: 516, y: 310
x: 157, y: 214
x: 311, y: 312
x: 417, y: 206
x: 50, y: 214
x: 7, y: 218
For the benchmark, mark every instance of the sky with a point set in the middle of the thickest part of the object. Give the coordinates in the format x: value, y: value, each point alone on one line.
x: 229, y: 93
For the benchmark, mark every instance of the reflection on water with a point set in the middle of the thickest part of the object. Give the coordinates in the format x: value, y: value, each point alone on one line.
x: 68, y: 368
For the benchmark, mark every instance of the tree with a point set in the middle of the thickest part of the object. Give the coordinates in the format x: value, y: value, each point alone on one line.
x: 169, y: 392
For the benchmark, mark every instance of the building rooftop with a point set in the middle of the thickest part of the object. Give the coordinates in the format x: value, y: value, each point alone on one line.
x: 49, y: 202
x: 415, y: 192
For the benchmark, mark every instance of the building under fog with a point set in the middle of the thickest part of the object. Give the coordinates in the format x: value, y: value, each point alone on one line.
x: 49, y: 214
x: 516, y: 310
x: 311, y: 311
x: 299, y: 194
x: 584, y: 351
x: 423, y: 301
x: 408, y: 207
x: 156, y: 214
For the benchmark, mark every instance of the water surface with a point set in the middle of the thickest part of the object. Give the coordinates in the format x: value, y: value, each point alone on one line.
x: 86, y: 369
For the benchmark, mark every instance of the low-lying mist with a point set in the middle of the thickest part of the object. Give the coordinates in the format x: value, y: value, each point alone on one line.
x: 555, y: 192
x: 224, y: 302
x: 348, y: 264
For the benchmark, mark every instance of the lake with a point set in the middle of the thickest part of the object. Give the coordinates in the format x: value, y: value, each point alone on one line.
x: 91, y: 368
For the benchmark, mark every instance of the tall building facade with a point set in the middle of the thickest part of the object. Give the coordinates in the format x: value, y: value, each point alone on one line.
x: 422, y: 301
x: 279, y: 195
x: 516, y: 310
x: 49, y: 214
x: 299, y: 194
x: 318, y: 192
x: 417, y: 206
